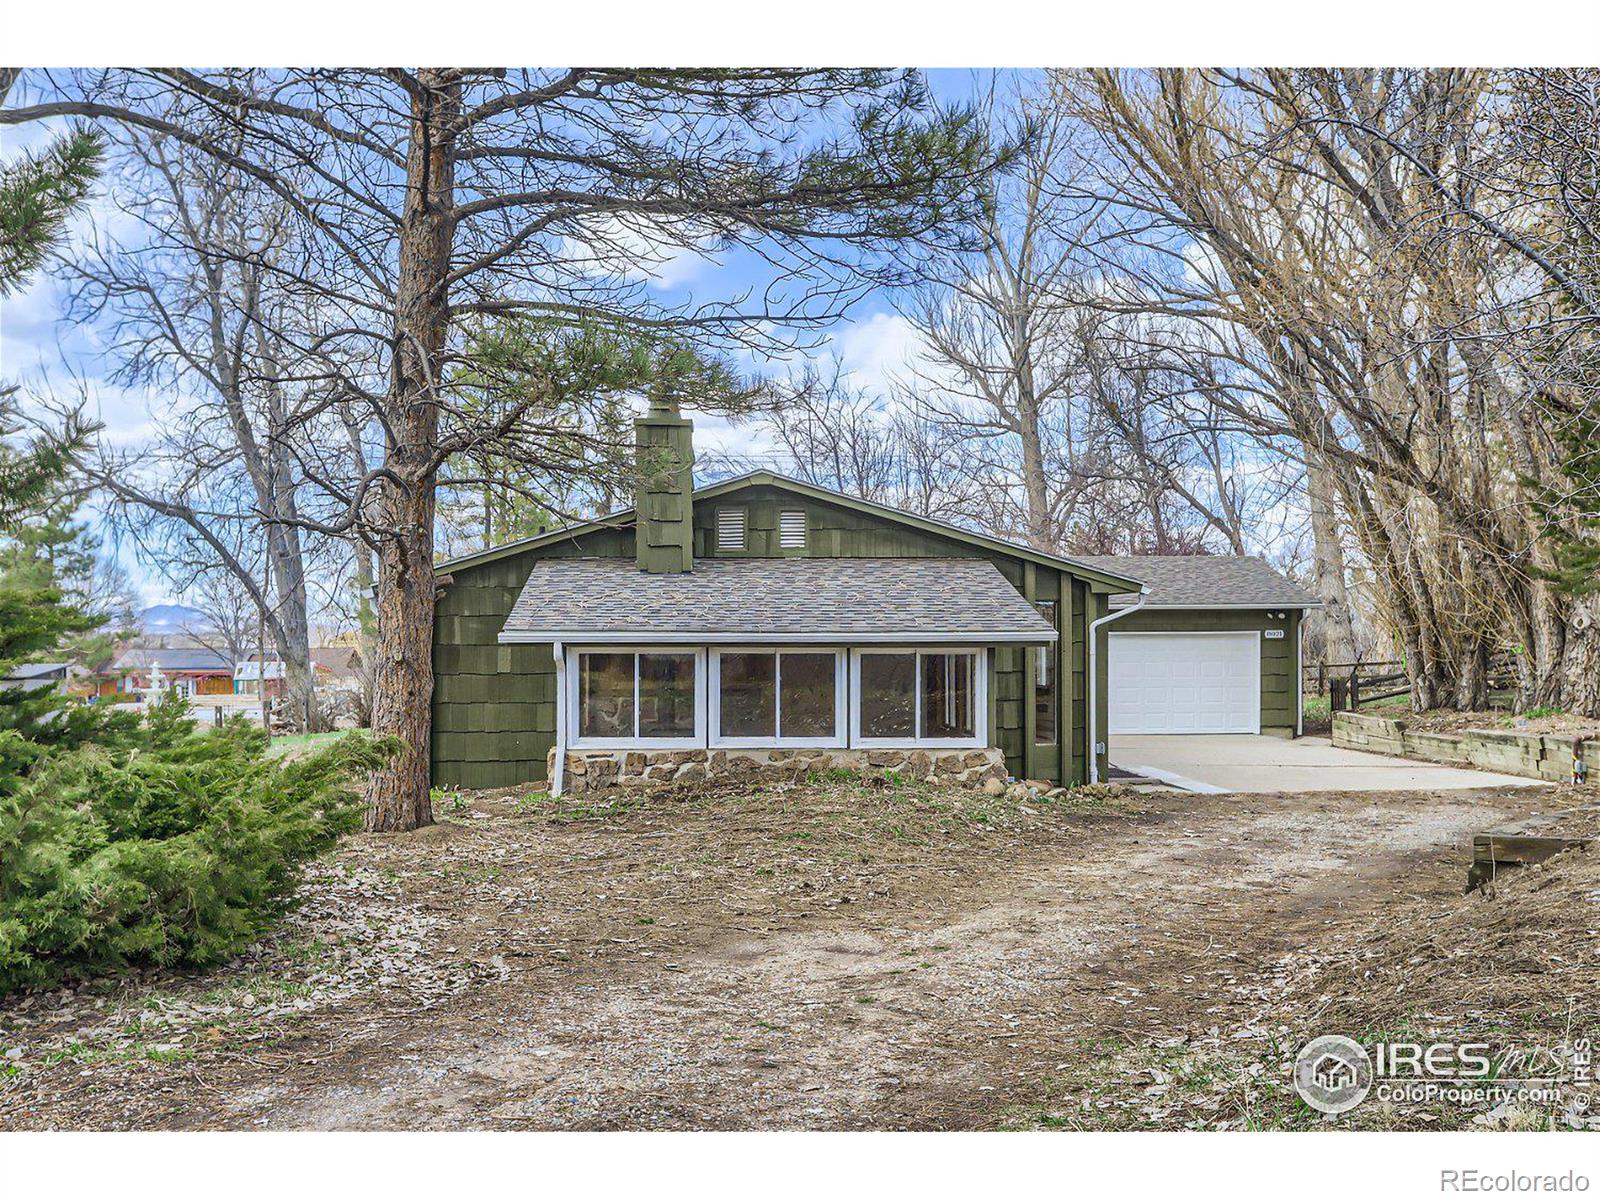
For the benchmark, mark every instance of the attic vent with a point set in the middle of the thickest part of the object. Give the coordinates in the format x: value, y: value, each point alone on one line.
x: 792, y: 530
x: 730, y: 529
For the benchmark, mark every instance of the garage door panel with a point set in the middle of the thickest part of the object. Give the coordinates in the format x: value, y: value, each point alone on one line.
x: 1184, y: 683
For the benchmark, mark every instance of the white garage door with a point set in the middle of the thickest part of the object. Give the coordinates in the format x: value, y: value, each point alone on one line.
x: 1185, y: 682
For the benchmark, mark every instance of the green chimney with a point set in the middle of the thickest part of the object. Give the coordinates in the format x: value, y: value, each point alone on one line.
x: 663, y: 498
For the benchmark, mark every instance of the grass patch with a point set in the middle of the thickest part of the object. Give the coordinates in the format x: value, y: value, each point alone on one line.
x: 299, y: 743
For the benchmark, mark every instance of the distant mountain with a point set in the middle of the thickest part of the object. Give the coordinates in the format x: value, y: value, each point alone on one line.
x: 165, y: 620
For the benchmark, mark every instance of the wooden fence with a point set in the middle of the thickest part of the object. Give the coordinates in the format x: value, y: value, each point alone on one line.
x: 1350, y: 685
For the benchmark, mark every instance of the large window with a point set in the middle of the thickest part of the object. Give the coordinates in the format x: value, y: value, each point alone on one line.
x: 766, y: 697
x: 647, y: 696
x: 753, y: 696
x: 930, y: 697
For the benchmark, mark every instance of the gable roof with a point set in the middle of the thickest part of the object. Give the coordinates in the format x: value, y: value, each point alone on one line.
x: 765, y: 478
x: 176, y: 658
x: 731, y: 600
x: 38, y: 670
x: 1207, y: 581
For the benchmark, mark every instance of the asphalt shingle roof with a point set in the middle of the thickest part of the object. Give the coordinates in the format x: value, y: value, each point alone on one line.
x: 175, y: 658
x: 917, y: 599
x: 1205, y: 581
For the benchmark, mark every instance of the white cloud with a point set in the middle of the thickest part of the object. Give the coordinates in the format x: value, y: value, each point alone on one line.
x: 879, y: 350
x: 715, y: 435
x: 642, y: 251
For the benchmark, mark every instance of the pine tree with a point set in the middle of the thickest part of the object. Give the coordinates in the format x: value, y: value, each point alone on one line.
x: 571, y: 387
x: 37, y: 538
x: 37, y: 195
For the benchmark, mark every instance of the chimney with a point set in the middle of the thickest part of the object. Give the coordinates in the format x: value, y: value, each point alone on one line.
x: 663, y: 497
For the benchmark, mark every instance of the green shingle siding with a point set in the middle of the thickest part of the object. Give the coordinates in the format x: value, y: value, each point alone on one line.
x: 1076, y: 706
x: 494, y: 706
x: 1278, y: 655
x: 494, y: 712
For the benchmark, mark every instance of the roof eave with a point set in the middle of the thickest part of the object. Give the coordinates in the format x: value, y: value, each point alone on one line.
x: 1111, y: 579
x: 613, y: 637
x: 1104, y: 581
x: 1251, y: 607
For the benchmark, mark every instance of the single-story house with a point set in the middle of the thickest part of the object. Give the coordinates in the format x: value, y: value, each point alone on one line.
x: 331, y: 664
x: 764, y: 626
x: 188, y: 670
x: 336, y: 664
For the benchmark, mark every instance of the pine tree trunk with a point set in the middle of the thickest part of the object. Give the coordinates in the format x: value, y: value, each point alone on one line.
x: 398, y: 795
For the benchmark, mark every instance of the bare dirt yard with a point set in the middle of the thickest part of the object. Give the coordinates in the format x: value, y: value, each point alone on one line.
x: 839, y: 955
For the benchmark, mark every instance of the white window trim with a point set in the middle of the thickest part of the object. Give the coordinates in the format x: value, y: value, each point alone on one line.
x: 980, y: 717
x: 576, y: 741
x: 841, y: 701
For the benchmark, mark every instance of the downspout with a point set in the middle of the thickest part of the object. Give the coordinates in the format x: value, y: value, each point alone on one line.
x: 1094, y: 677
x: 1300, y: 675
x: 559, y: 773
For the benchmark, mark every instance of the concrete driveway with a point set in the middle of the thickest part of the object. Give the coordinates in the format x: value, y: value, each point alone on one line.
x: 1249, y: 763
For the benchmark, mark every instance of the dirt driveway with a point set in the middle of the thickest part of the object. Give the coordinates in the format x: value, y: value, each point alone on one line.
x: 840, y: 957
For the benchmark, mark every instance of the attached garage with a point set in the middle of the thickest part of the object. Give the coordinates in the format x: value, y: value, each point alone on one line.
x: 1214, y: 647
x: 1184, y: 683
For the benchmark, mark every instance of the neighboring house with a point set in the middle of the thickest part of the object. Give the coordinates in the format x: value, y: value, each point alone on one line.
x: 32, y: 677
x: 332, y: 664
x: 1214, y: 648
x: 247, y: 676
x: 188, y: 670
x: 338, y: 664
x: 763, y: 626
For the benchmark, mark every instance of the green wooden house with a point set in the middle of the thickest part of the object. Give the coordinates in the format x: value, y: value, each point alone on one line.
x: 768, y: 627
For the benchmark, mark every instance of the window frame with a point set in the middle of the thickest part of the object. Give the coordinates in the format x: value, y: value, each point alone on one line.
x: 841, y: 701
x: 980, y: 716
x: 1046, y: 663
x: 574, y: 673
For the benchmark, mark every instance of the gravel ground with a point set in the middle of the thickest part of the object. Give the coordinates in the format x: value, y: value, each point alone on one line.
x: 834, y: 957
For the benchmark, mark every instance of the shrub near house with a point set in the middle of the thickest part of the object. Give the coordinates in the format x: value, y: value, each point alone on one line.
x: 165, y: 848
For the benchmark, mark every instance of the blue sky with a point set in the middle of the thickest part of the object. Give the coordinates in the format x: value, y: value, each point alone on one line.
x: 48, y: 354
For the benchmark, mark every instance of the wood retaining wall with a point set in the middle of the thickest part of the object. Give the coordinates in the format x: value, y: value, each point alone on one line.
x: 1537, y: 756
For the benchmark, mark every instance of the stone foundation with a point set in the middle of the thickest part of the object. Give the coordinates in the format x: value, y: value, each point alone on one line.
x: 596, y: 770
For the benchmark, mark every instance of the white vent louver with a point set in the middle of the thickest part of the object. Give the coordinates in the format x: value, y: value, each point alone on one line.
x: 792, y: 530
x: 730, y: 529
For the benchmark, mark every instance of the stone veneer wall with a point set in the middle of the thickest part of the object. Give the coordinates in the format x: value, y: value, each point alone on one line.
x: 596, y: 770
